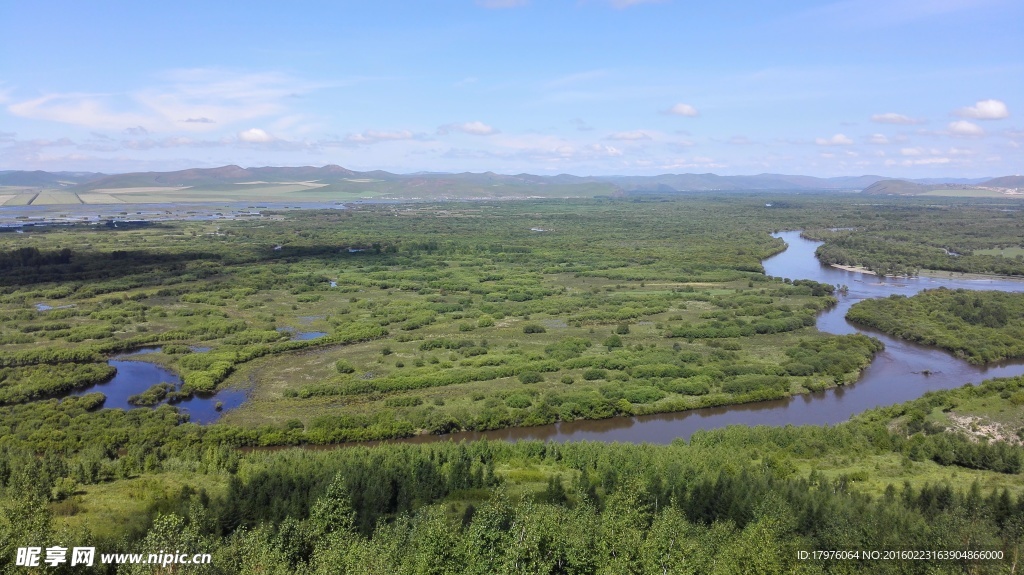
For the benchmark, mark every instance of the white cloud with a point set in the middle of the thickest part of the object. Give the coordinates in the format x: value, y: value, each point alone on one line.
x: 985, y: 110
x: 610, y: 151
x: 960, y: 152
x: 682, y: 109
x: 471, y: 128
x: 892, y: 118
x: 58, y: 143
x: 376, y: 136
x: 87, y: 110
x: 878, y: 139
x: 965, y: 128
x: 911, y: 152
x: 255, y: 136
x: 836, y: 140
x: 694, y: 163
x: 540, y: 151
x: 193, y: 100
x: 634, y: 135
x: 182, y: 142
x: 740, y: 141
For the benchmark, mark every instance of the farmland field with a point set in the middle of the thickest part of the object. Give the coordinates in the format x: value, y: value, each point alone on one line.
x: 50, y: 197
x: 970, y: 194
x: 253, y: 192
x: 135, y: 191
x: 141, y: 189
x: 95, y: 198
x: 21, y: 200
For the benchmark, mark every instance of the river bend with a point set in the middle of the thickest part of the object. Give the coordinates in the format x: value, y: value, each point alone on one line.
x: 902, y: 372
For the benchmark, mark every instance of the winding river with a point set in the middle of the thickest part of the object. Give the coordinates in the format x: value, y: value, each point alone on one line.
x: 902, y: 372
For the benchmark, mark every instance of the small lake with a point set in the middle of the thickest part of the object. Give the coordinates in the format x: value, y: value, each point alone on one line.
x: 134, y: 377
x: 896, y: 375
x: 302, y: 335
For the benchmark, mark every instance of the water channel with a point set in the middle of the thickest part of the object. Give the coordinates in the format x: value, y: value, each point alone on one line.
x: 902, y: 372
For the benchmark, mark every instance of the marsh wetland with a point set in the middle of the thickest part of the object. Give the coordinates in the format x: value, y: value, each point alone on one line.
x: 154, y: 376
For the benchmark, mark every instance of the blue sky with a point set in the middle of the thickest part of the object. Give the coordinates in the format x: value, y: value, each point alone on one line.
x: 905, y: 88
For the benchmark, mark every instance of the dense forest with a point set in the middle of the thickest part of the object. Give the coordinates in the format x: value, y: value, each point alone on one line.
x: 738, y: 500
x: 388, y: 321
x: 921, y: 236
x: 980, y: 326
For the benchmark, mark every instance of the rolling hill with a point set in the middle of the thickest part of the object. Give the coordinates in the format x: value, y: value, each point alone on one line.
x: 41, y: 179
x: 1005, y: 182
x: 994, y: 187
x: 899, y: 188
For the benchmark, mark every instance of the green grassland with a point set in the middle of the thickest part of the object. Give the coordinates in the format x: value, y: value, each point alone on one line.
x: 123, y: 507
x: 1008, y: 252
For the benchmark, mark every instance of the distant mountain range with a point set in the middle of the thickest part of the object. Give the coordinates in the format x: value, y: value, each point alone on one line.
x: 918, y: 187
x: 42, y: 179
x: 332, y: 181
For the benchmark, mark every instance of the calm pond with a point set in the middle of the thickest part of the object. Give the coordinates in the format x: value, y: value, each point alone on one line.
x: 896, y: 375
x: 134, y: 377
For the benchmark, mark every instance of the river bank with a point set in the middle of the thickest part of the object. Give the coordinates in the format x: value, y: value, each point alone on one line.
x: 940, y: 274
x: 856, y: 269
